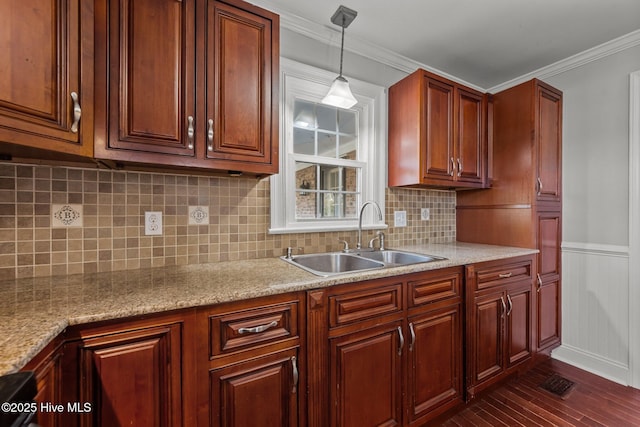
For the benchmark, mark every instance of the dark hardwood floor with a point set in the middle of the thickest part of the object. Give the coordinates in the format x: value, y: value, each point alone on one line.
x: 593, y: 401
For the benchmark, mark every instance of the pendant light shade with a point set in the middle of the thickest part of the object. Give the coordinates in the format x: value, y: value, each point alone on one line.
x: 340, y: 94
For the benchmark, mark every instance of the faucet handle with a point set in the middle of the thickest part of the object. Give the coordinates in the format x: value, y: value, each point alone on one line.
x: 290, y: 251
x: 380, y: 238
x: 380, y: 234
x: 346, y: 245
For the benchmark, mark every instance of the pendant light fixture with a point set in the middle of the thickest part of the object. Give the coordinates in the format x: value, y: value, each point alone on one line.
x: 339, y: 94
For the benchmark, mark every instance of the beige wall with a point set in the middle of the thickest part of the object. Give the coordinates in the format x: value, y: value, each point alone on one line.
x: 112, y: 236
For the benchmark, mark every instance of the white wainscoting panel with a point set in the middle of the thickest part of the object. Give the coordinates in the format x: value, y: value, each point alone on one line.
x: 595, y: 309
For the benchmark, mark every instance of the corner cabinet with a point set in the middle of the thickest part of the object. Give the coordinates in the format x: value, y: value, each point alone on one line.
x: 386, y: 351
x: 437, y: 133
x: 129, y: 372
x: 46, y: 79
x: 189, y: 84
x: 524, y: 206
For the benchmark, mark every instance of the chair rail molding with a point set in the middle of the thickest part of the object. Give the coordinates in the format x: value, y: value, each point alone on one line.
x: 634, y: 229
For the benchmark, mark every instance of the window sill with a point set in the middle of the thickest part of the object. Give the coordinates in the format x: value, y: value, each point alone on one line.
x: 326, y: 228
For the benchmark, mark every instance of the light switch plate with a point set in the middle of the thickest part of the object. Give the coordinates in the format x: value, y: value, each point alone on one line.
x: 400, y: 218
x: 424, y: 214
x: 153, y: 223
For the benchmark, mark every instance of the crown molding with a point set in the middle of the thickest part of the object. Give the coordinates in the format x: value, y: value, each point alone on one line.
x: 590, y: 55
x: 331, y: 36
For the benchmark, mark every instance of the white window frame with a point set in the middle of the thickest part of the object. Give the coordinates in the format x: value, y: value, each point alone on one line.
x: 303, y: 81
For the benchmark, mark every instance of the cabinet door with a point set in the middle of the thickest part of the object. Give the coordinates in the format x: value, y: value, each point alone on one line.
x: 548, y: 306
x: 133, y: 378
x: 149, y: 78
x: 241, y: 88
x: 519, y: 324
x: 365, y: 377
x: 549, y: 243
x: 549, y: 147
x: 261, y: 392
x: 47, y: 61
x: 49, y: 383
x: 435, y: 362
x: 488, y: 339
x: 438, y: 149
x: 470, y: 145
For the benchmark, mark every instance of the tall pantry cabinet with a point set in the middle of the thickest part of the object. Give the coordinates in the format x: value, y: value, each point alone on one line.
x: 524, y: 205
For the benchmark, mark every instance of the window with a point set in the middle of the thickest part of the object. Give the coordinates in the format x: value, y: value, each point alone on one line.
x: 332, y: 160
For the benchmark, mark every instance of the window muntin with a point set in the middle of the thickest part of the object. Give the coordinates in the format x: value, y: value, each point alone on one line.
x: 327, y: 185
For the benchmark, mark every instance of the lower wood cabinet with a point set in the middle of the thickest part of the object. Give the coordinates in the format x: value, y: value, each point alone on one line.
x: 131, y: 373
x: 260, y: 393
x: 47, y: 368
x: 435, y: 363
x: 499, y: 320
x: 366, y: 377
x: 250, y: 352
x: 386, y: 352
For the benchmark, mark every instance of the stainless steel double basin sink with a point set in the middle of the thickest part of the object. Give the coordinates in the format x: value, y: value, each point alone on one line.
x: 333, y: 263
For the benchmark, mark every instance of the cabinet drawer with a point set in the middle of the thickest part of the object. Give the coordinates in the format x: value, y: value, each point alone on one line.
x: 364, y: 304
x: 240, y: 330
x: 499, y: 274
x: 435, y: 287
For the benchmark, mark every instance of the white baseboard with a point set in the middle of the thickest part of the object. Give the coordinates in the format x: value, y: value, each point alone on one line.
x: 593, y: 363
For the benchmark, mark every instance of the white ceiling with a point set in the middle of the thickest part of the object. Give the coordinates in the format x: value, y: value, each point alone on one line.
x: 483, y: 42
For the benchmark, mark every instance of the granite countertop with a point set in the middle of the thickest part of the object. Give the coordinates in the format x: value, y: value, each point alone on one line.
x: 34, y: 311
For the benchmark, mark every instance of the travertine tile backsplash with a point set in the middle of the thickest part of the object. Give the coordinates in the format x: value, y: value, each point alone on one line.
x: 111, y: 206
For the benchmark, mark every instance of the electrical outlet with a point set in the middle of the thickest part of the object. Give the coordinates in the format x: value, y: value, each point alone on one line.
x: 153, y: 223
x: 424, y: 214
x: 400, y: 218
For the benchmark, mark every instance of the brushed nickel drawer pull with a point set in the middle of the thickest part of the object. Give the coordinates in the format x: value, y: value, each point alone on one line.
x: 505, y: 275
x: 258, y: 329
x: 401, y: 337
x: 77, y: 112
x: 413, y: 336
x: 539, y: 283
x: 190, y: 132
x: 294, y: 366
x: 539, y: 186
x: 210, y: 135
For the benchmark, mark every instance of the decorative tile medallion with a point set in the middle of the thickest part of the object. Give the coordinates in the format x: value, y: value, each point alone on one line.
x: 198, y: 215
x: 63, y: 216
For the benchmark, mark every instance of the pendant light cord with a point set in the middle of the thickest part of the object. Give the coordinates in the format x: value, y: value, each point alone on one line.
x: 342, y: 46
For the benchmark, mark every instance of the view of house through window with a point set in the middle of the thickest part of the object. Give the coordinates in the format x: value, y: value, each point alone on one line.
x: 327, y: 169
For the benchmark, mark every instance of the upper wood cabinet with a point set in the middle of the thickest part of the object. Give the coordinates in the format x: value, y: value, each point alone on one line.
x: 188, y: 84
x: 46, y: 78
x: 241, y: 101
x: 437, y: 133
x: 146, y: 79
